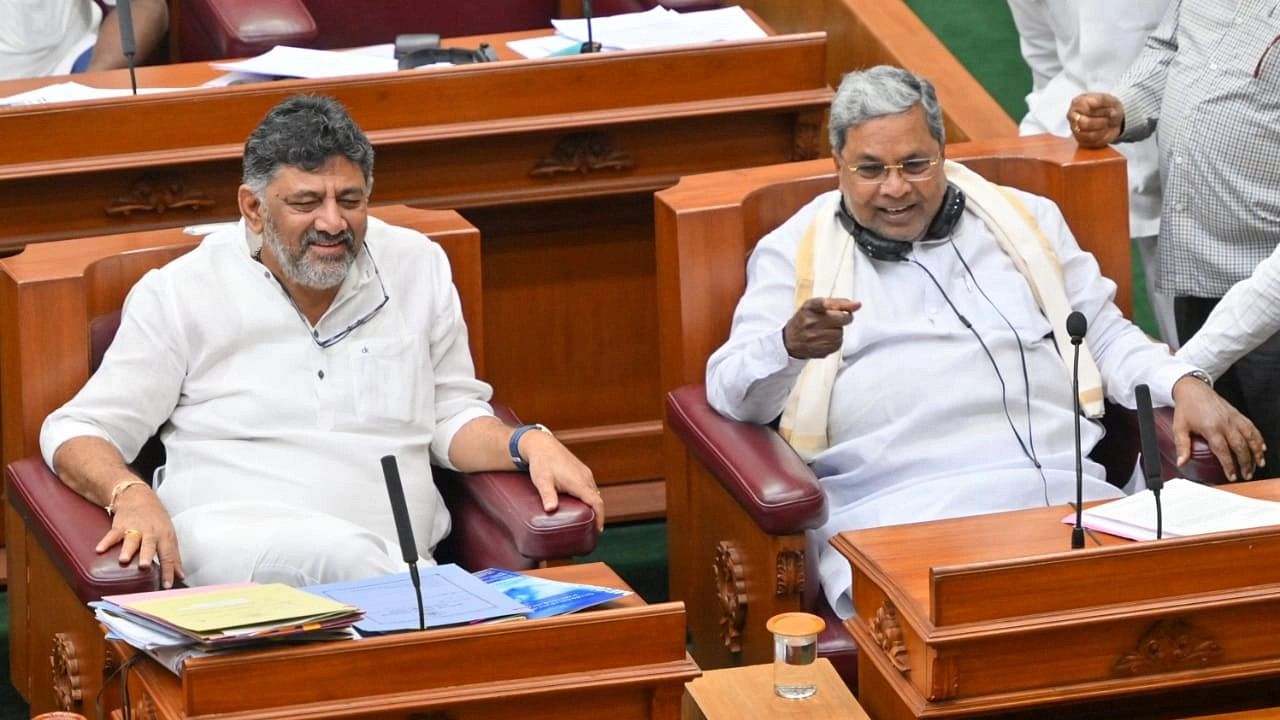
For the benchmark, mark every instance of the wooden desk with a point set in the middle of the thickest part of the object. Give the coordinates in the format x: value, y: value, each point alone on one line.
x: 625, y: 660
x: 555, y: 161
x: 999, y: 617
x: 746, y: 693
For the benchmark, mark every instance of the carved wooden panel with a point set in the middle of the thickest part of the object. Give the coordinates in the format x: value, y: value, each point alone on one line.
x: 156, y: 192
x: 790, y: 573
x: 145, y: 709
x: 65, y: 665
x: 806, y: 141
x: 581, y: 153
x: 888, y: 634
x: 731, y: 588
x: 1167, y: 646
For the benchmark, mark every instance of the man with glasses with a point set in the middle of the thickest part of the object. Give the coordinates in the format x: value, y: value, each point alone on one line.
x: 909, y: 329
x: 280, y: 360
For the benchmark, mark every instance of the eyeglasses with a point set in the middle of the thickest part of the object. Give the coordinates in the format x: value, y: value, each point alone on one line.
x: 342, y: 334
x: 914, y: 170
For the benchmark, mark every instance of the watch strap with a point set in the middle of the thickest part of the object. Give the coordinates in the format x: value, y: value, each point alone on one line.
x: 513, y: 445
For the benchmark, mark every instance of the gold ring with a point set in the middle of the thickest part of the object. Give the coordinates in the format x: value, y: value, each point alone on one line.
x: 131, y: 531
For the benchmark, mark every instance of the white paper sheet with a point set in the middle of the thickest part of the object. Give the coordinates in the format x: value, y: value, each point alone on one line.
x: 1189, y: 508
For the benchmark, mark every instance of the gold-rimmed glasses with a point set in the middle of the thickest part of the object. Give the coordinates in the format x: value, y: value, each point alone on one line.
x: 912, y: 170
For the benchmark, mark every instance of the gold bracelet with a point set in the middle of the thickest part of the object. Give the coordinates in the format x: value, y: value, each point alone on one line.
x: 119, y: 488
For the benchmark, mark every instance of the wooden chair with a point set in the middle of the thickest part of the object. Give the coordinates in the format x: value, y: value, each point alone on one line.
x: 60, y: 303
x: 738, y: 499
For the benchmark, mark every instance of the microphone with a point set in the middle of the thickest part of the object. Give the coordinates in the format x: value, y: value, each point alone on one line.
x: 1076, y: 327
x: 590, y: 46
x: 124, y: 12
x: 1150, y: 451
x: 400, y: 511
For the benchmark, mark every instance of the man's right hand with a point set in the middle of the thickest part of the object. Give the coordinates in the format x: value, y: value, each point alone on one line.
x: 1096, y: 119
x: 142, y: 527
x: 817, y: 328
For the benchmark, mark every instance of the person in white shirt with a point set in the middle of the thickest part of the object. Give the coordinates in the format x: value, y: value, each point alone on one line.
x: 57, y: 37
x: 1077, y: 46
x: 281, y: 359
x: 1246, y: 317
x: 948, y: 391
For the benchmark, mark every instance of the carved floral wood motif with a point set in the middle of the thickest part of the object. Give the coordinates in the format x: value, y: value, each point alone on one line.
x: 157, y: 193
x: 582, y: 153
x: 145, y: 709
x: 66, y: 672
x: 888, y: 634
x: 731, y: 589
x: 790, y: 573
x: 1167, y: 646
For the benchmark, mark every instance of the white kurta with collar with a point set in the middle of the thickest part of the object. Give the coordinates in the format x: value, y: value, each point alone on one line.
x: 917, y: 425
x: 258, y: 421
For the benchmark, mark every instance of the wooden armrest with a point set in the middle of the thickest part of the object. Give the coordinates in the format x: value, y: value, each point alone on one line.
x: 753, y: 463
x: 67, y: 527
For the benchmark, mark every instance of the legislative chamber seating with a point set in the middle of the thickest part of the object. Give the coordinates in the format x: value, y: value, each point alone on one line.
x: 739, y: 499
x: 212, y: 29
x: 56, y: 648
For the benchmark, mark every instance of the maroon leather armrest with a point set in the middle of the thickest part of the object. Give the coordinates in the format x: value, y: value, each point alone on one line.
x: 618, y: 7
x: 1203, y: 467
x: 756, y: 466
x: 67, y: 527
x: 498, y: 520
x: 213, y: 29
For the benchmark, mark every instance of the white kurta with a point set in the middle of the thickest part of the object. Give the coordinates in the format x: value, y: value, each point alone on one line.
x: 258, y: 420
x: 917, y: 423
x: 44, y: 37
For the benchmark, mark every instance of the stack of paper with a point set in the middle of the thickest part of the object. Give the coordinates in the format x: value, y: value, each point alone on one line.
x: 658, y: 27
x: 1187, y: 508
x: 172, y: 625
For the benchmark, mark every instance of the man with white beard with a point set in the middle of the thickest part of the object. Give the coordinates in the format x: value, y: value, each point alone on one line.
x: 280, y: 360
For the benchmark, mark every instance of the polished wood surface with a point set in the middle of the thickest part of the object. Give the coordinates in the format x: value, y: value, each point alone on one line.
x: 48, y: 294
x: 1000, y: 615
x: 623, y: 660
x: 554, y: 160
x: 706, y: 226
x: 863, y: 33
x: 746, y: 693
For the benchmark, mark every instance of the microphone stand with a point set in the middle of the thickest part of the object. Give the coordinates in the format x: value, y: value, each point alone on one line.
x: 1150, y: 451
x: 1076, y: 328
x: 404, y: 530
x: 1077, y: 532
x: 590, y: 46
x: 129, y: 48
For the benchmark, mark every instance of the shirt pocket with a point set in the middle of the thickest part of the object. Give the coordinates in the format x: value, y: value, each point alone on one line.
x: 384, y: 374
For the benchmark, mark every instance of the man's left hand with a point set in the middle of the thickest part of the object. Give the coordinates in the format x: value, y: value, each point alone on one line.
x: 555, y: 470
x: 1232, y: 437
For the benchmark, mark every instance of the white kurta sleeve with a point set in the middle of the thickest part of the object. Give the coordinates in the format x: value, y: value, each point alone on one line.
x: 1245, y: 317
x: 750, y: 376
x: 1126, y: 357
x: 138, y: 385
x: 459, y: 397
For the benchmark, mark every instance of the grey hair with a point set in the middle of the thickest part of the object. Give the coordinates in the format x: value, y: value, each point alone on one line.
x: 304, y: 131
x: 882, y: 90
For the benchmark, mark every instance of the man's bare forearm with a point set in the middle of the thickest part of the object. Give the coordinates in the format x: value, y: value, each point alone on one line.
x: 92, y: 467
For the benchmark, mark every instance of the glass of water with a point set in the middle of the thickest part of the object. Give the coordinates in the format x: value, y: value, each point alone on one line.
x: 795, y: 648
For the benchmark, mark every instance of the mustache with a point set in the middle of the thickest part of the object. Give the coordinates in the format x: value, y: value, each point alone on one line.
x: 317, y: 237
